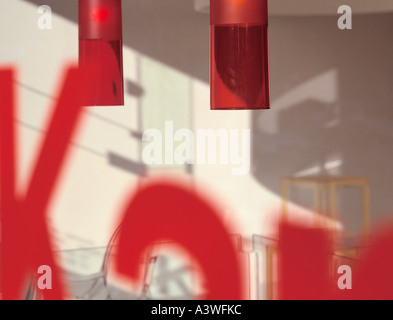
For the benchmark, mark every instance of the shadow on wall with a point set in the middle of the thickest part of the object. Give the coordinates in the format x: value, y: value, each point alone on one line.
x: 331, y: 90
x: 332, y: 110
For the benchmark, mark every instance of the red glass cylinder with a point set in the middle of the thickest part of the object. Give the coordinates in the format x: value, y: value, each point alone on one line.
x: 100, y: 44
x: 239, y: 66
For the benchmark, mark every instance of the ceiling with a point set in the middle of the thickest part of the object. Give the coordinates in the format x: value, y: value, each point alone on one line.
x: 317, y: 7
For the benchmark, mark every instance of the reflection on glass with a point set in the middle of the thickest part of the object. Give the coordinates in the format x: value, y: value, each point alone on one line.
x: 239, y: 68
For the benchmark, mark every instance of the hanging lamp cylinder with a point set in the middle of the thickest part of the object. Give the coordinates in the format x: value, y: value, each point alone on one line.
x: 100, y: 45
x: 239, y: 68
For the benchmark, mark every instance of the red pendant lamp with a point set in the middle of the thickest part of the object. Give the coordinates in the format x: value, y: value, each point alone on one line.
x: 239, y: 69
x: 100, y: 44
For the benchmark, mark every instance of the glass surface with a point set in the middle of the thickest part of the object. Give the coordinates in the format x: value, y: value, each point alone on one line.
x: 100, y: 44
x: 239, y: 67
x: 108, y: 58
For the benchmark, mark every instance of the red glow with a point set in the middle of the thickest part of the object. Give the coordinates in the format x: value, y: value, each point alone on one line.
x: 100, y: 14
